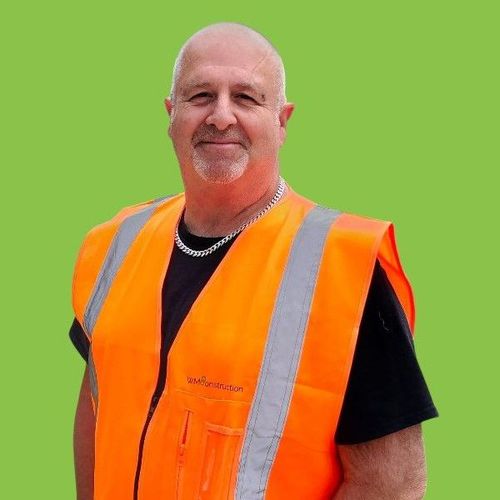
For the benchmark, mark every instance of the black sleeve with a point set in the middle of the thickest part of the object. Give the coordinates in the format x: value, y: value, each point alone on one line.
x: 79, y: 339
x: 386, y: 391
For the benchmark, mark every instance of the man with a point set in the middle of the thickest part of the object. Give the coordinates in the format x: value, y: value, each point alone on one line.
x: 221, y: 325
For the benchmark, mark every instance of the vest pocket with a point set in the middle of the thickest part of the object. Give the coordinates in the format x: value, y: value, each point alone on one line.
x: 181, y: 451
x: 220, y: 451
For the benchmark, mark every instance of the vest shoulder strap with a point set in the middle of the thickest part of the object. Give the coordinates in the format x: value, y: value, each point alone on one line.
x: 100, y: 245
x: 381, y: 234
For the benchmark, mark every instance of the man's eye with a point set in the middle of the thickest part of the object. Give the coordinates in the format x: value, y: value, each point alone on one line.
x: 201, y: 95
x: 246, y: 97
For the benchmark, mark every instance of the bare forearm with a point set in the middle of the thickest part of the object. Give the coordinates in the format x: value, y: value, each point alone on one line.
x: 83, y: 443
x: 389, y: 467
x: 354, y: 491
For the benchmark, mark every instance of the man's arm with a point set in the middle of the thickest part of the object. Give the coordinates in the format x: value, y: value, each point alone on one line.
x: 83, y: 442
x: 390, y: 467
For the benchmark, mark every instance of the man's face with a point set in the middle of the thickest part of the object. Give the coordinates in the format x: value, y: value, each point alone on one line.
x: 225, y: 117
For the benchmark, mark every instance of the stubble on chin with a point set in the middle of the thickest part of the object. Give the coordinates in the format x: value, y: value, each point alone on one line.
x: 221, y: 170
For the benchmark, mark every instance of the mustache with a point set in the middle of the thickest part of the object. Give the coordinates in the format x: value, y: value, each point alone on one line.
x: 210, y: 133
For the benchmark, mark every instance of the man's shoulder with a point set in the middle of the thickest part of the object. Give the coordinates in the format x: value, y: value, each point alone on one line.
x: 126, y: 222
x: 346, y: 221
x: 126, y: 212
x: 103, y: 233
x: 361, y: 218
x: 354, y: 216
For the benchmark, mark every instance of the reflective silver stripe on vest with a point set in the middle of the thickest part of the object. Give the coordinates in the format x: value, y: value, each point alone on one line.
x: 282, y: 354
x: 123, y: 239
x: 92, y: 378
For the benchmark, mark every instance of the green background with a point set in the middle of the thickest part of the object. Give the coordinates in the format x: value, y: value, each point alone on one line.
x: 397, y: 117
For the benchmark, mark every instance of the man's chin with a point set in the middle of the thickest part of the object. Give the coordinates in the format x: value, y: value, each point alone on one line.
x: 220, y: 172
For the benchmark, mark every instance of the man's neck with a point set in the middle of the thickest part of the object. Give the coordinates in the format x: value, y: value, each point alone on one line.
x: 219, y: 209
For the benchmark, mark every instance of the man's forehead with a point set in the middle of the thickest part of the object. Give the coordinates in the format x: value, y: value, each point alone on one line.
x: 233, y: 53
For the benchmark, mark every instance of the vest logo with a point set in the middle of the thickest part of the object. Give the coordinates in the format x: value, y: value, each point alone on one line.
x: 216, y: 385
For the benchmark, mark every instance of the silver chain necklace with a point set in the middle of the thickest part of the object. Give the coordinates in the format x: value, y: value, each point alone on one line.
x: 202, y: 253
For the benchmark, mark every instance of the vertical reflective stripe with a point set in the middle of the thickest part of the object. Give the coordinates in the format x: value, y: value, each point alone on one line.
x: 123, y: 239
x: 118, y: 249
x: 93, y: 379
x: 282, y: 355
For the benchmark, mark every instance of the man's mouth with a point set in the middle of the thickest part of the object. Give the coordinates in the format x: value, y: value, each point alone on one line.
x: 220, y: 145
x: 219, y: 142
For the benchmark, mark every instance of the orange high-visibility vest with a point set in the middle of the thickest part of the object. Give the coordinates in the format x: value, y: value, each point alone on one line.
x: 258, y: 370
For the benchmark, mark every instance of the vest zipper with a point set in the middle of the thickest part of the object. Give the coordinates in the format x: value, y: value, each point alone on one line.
x: 160, y: 386
x: 152, y: 408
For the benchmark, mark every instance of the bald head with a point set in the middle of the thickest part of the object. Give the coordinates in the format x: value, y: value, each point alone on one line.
x: 223, y: 38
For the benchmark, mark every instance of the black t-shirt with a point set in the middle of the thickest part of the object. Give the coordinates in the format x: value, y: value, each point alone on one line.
x: 386, y: 391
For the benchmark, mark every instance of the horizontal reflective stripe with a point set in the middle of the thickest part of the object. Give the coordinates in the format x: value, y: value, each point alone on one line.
x: 122, y: 241
x: 282, y: 355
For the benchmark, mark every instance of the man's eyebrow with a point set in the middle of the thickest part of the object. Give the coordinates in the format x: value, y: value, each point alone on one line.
x: 195, y: 85
x: 246, y: 86
x: 251, y: 88
x: 190, y: 86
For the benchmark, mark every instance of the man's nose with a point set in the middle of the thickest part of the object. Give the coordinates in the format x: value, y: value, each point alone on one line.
x: 222, y: 114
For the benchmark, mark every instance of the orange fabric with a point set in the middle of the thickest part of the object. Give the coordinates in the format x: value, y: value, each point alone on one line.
x: 195, y: 436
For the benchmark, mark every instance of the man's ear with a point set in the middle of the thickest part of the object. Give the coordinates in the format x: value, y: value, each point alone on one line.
x: 168, y: 106
x: 284, y: 116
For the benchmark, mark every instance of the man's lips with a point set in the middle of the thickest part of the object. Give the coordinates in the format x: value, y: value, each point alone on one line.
x: 220, y: 145
x: 219, y: 142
